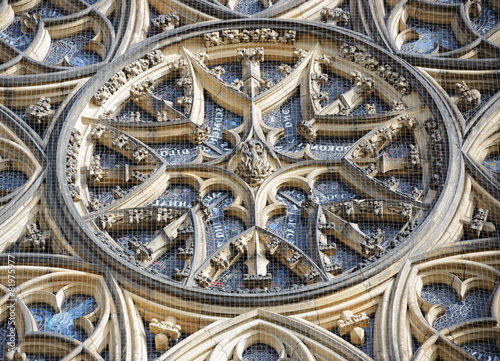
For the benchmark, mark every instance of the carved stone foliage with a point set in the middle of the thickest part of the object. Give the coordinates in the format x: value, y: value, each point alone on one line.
x: 72, y: 173
x: 335, y: 16
x: 437, y: 148
x: 254, y: 55
x: 128, y: 72
x: 41, y: 112
x: 249, y: 36
x: 385, y: 71
x: 165, y: 22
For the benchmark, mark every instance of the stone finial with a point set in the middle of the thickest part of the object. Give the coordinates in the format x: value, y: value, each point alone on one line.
x: 165, y: 22
x: 363, y: 83
x: 353, y: 324
x: 253, y: 55
x: 164, y: 331
x: 335, y: 16
x: 370, y: 245
x: 305, y: 129
x: 41, y: 112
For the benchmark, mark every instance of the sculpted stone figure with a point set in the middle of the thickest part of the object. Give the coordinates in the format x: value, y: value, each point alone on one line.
x: 253, y: 165
x: 41, y: 112
x: 469, y: 98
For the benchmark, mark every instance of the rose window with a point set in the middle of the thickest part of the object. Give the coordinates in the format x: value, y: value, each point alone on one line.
x: 255, y: 161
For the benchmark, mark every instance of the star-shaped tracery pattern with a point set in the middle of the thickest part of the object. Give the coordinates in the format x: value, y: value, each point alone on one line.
x: 258, y: 162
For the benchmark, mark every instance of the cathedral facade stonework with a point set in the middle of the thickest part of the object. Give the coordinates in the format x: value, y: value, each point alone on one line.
x: 249, y: 180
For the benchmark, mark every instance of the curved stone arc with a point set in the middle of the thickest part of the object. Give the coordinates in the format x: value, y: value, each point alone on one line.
x: 225, y: 249
x: 479, y: 138
x: 19, y: 203
x: 444, y: 258
x: 241, y: 24
x: 29, y: 292
x: 63, y: 73
x: 157, y: 175
x: 380, y: 28
x: 265, y: 320
x: 224, y: 95
x: 286, y: 86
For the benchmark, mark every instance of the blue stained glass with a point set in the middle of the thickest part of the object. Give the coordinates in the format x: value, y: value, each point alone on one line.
x: 335, y: 86
x: 492, y: 162
x: 12, y: 179
x: 397, y: 149
x: 414, y: 344
x: 332, y: 191
x: 430, y: 36
x: 232, y: 278
x: 122, y: 238
x: 218, y: 233
x: 439, y: 294
x: 49, y: 10
x: 108, y: 158
x: 218, y: 119
x: 482, y: 350
x: 41, y: 358
x: 232, y: 71
x: 330, y: 148
x: 367, y: 346
x: 150, y: 343
x: 473, y: 306
x: 286, y: 116
x: 167, y: 90
x: 104, y: 194
x: 176, y: 196
x: 63, y: 323
x: 13, y: 35
x: 269, y: 70
x: 249, y: 7
x: 487, y: 20
x: 292, y: 198
x: 72, y: 47
x: 219, y: 228
x: 182, y: 152
x: 105, y: 354
x: 260, y: 352
x: 168, y: 261
x: 290, y: 227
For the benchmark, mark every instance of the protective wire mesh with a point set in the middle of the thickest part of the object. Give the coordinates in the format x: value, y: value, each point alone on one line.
x: 249, y: 180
